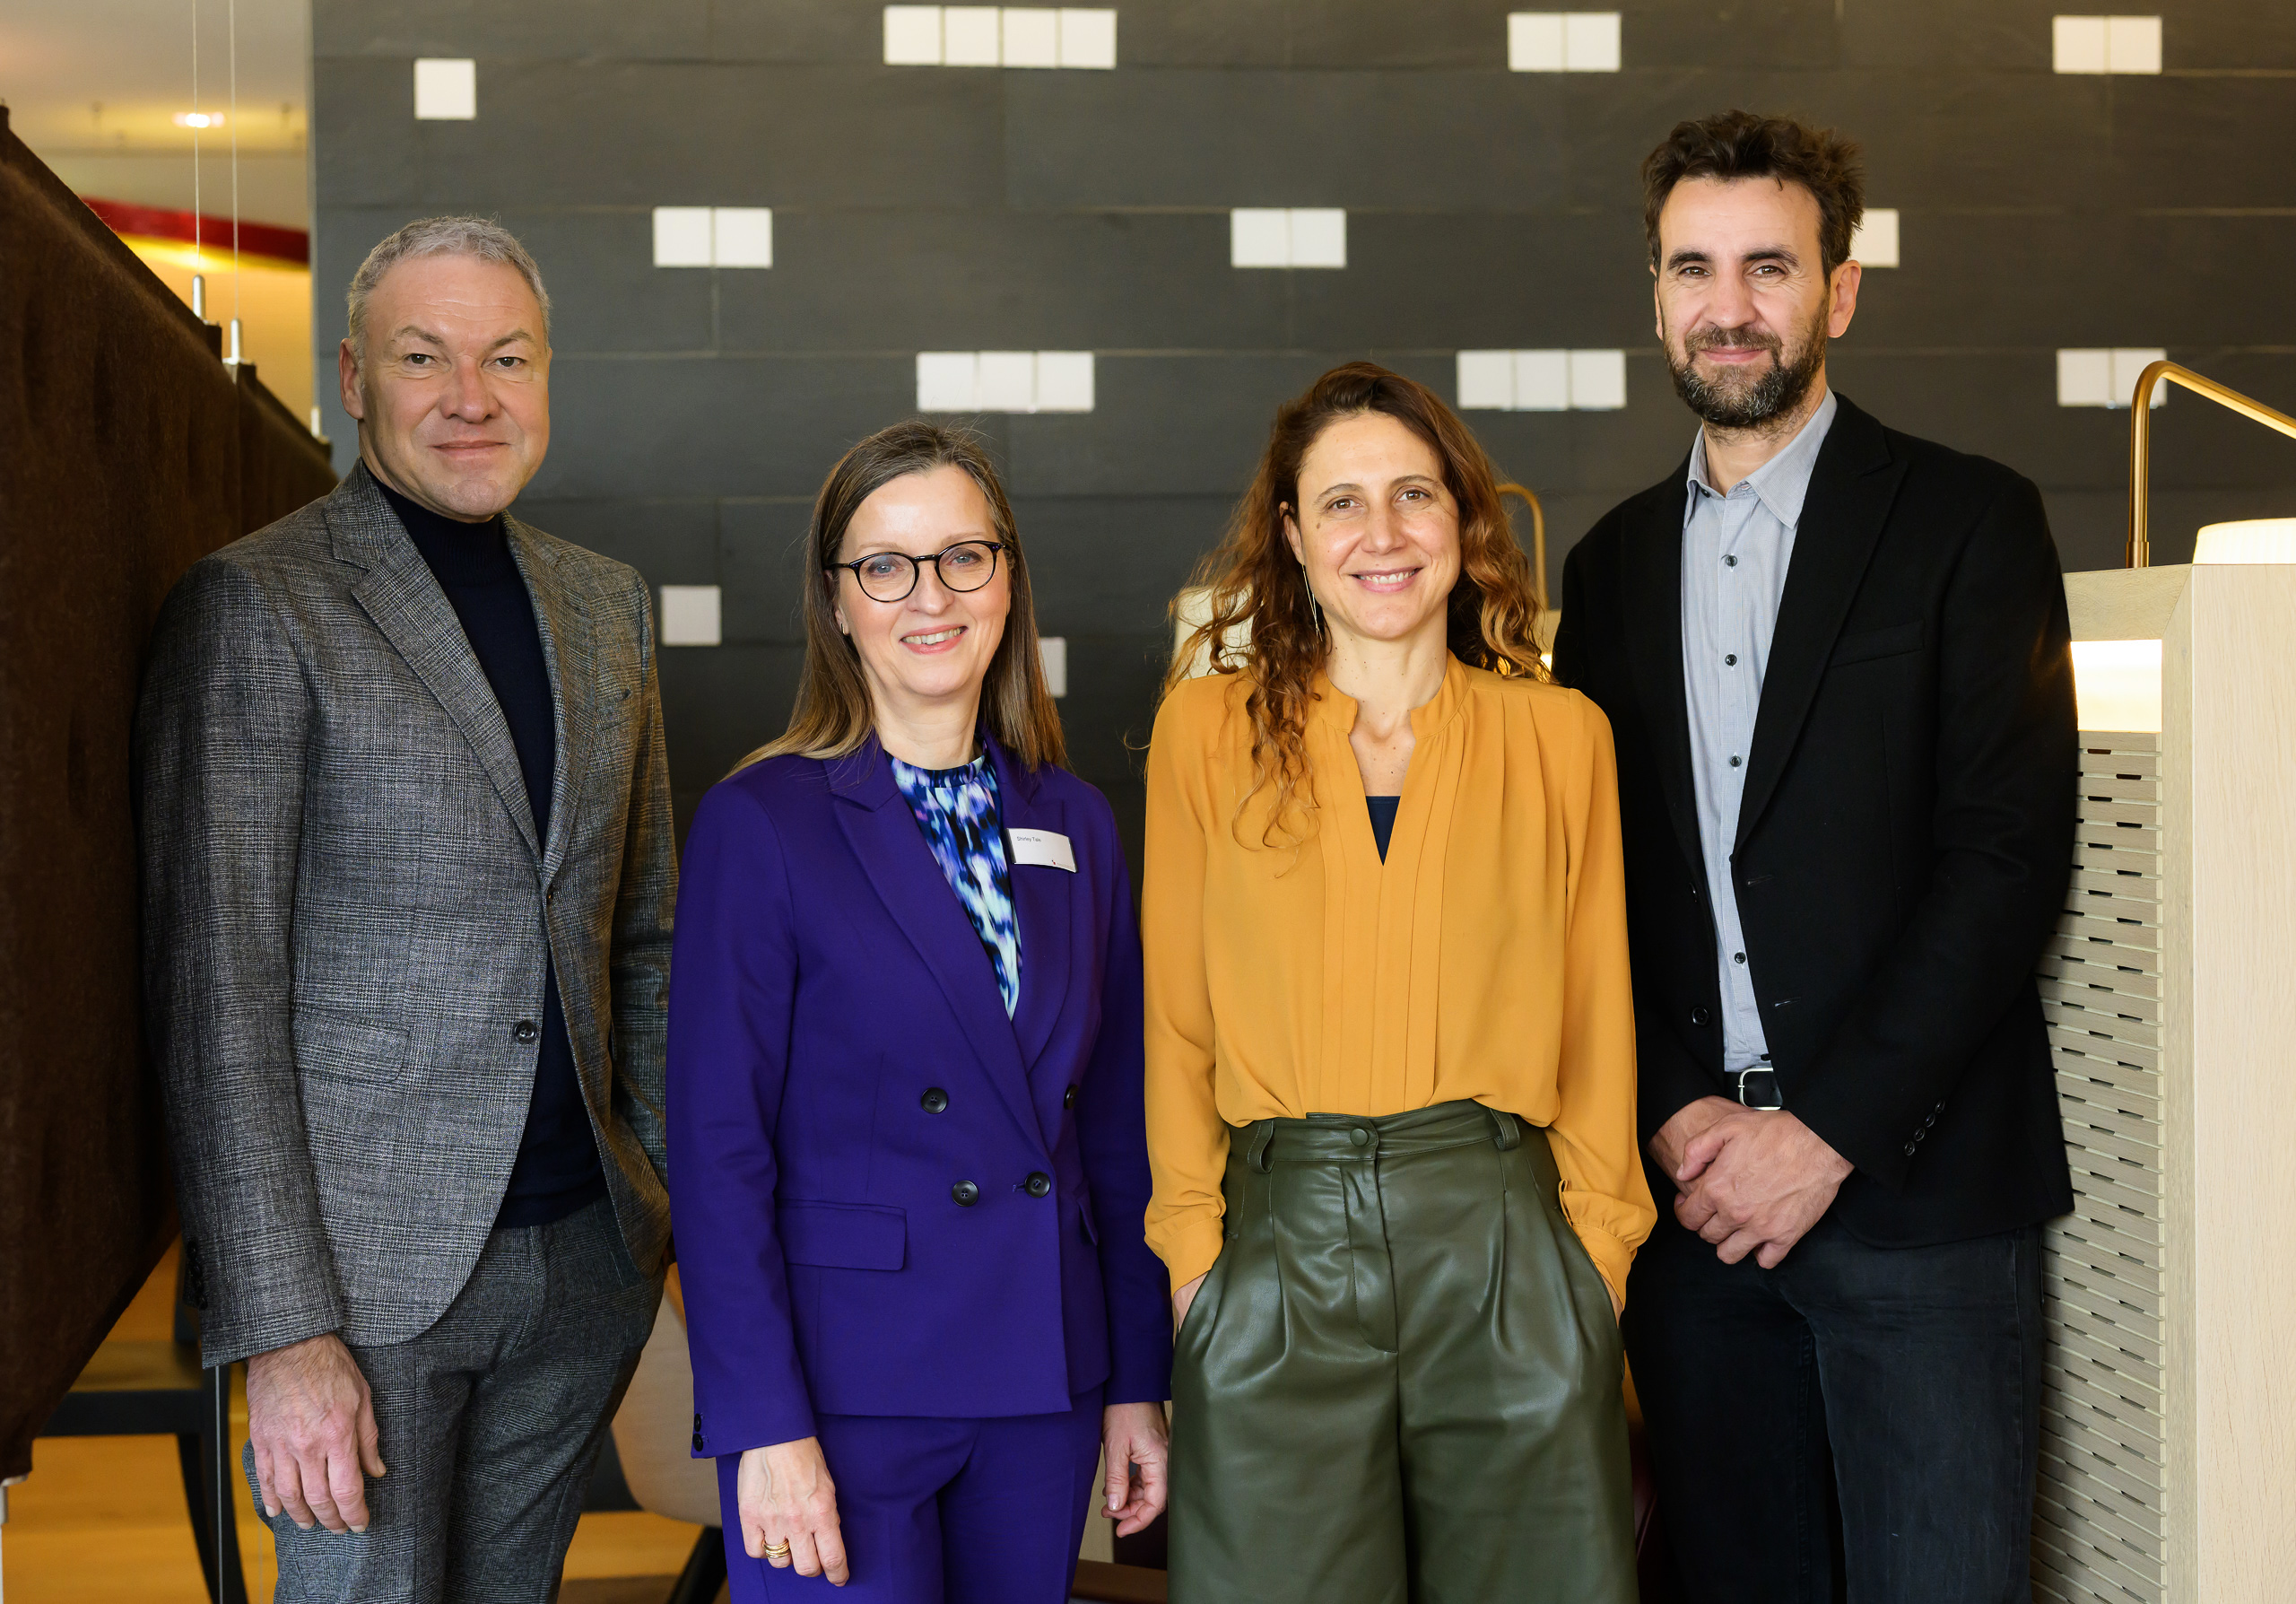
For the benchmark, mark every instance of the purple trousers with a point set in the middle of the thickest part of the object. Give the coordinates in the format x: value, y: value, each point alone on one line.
x: 942, y: 1512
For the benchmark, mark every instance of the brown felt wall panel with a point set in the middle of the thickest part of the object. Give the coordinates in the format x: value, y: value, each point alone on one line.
x: 128, y: 452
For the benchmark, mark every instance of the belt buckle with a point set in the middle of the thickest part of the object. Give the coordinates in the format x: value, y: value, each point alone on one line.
x: 1776, y: 1100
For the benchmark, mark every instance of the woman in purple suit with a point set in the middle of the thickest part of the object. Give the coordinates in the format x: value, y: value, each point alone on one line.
x: 908, y: 1164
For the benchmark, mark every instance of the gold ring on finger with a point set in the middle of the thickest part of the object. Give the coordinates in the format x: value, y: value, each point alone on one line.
x: 777, y: 1551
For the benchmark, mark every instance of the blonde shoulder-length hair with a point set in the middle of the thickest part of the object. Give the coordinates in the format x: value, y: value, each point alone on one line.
x: 834, y: 715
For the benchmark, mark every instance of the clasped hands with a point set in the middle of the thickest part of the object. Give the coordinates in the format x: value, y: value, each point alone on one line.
x: 788, y: 1503
x: 1748, y: 1180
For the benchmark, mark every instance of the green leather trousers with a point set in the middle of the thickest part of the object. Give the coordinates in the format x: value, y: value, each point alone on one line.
x: 1400, y: 1381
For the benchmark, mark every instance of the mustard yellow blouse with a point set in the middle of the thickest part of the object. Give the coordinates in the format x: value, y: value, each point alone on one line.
x: 1486, y: 958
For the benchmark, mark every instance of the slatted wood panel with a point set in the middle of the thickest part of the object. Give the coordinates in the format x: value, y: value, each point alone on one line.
x: 2100, y: 1525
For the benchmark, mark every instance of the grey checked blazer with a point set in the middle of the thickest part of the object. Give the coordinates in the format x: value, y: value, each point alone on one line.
x: 345, y: 913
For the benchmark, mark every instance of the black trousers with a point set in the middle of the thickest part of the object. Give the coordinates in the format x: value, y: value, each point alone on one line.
x: 1860, y: 1423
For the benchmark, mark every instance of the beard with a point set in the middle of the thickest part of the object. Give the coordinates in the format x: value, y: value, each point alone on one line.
x: 1744, y: 400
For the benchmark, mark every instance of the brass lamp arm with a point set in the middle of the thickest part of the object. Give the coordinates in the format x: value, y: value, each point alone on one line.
x: 2140, y: 442
x: 1538, y: 539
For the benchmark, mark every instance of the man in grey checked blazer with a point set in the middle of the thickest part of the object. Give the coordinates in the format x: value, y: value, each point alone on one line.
x: 408, y: 880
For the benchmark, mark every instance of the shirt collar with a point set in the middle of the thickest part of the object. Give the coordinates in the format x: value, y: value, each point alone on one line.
x: 1783, y: 483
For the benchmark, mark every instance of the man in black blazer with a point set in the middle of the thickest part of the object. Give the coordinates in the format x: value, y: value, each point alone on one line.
x: 1837, y: 664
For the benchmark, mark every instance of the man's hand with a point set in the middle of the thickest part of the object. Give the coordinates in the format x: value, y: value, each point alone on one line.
x: 788, y: 1503
x: 1676, y: 1135
x: 1756, y: 1180
x: 311, y: 1422
x: 1182, y: 1296
x: 1134, y: 1434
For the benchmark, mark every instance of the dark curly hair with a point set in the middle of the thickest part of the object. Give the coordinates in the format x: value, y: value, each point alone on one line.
x: 1740, y: 144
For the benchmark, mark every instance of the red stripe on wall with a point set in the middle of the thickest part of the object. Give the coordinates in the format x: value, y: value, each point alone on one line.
x: 160, y: 222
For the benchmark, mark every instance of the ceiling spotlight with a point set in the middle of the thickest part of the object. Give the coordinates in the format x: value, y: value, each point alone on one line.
x: 199, y: 120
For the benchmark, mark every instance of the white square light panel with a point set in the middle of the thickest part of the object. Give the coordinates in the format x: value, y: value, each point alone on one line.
x: 2105, y: 44
x: 1542, y: 381
x: 2078, y: 44
x: 2084, y: 378
x: 971, y: 36
x: 1876, y: 243
x: 690, y: 616
x: 1486, y: 381
x: 1259, y: 237
x: 682, y: 237
x: 1534, y: 41
x: 1598, y: 381
x: 2128, y: 366
x: 2132, y: 44
x: 1031, y: 37
x: 1318, y: 236
x: 2106, y: 377
x: 1087, y: 38
x: 1064, y: 381
x: 2094, y: 377
x: 1053, y: 651
x: 743, y: 237
x: 1590, y: 41
x: 1008, y: 381
x: 445, y: 90
x: 912, y: 36
x: 947, y: 380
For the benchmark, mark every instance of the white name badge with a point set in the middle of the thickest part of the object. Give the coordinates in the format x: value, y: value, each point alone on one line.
x: 1048, y: 847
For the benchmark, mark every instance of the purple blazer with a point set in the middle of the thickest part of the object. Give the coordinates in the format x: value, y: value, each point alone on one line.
x: 888, y: 1198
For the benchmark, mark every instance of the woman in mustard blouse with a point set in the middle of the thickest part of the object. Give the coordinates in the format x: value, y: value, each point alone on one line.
x: 1390, y: 1046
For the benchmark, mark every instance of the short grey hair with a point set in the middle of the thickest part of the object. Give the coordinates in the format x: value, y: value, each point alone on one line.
x: 479, y: 237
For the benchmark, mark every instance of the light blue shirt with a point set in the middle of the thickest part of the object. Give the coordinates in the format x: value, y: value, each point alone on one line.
x: 1737, y: 549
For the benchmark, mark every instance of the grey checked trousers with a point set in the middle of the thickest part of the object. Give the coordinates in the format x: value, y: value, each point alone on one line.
x: 490, y: 1422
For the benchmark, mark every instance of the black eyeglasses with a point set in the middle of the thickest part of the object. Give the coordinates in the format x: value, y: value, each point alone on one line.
x: 891, y: 576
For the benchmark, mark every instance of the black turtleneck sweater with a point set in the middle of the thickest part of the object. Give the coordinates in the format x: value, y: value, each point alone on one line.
x: 557, y: 1170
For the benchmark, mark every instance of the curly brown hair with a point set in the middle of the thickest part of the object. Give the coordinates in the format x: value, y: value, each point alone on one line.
x: 1745, y: 145
x: 1262, y: 623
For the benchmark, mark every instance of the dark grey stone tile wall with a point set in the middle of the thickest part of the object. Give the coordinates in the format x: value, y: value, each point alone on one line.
x: 919, y: 208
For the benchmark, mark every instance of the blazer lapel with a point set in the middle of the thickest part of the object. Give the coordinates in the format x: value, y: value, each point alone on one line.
x: 1041, y: 900
x: 399, y: 593
x: 884, y: 837
x: 1852, y: 485
x: 569, y: 656
x: 1654, y: 631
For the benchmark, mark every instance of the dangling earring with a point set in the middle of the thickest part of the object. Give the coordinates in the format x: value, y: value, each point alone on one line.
x: 1315, y: 608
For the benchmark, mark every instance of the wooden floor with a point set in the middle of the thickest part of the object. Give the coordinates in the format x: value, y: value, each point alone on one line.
x: 102, y: 1520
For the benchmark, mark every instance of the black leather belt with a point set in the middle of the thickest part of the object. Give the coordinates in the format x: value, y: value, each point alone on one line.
x: 1758, y: 1088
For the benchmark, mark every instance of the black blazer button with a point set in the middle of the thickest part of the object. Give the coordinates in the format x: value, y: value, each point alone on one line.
x: 697, y: 1425
x: 1068, y: 1098
x: 524, y: 1030
x: 1700, y: 1018
x: 697, y: 1443
x: 934, y: 1101
x: 966, y: 1193
x: 1039, y: 1184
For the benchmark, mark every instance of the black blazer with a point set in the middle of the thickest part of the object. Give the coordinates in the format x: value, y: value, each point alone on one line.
x: 1907, y: 834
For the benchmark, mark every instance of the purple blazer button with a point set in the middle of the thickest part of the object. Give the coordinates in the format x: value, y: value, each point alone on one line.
x: 966, y: 1193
